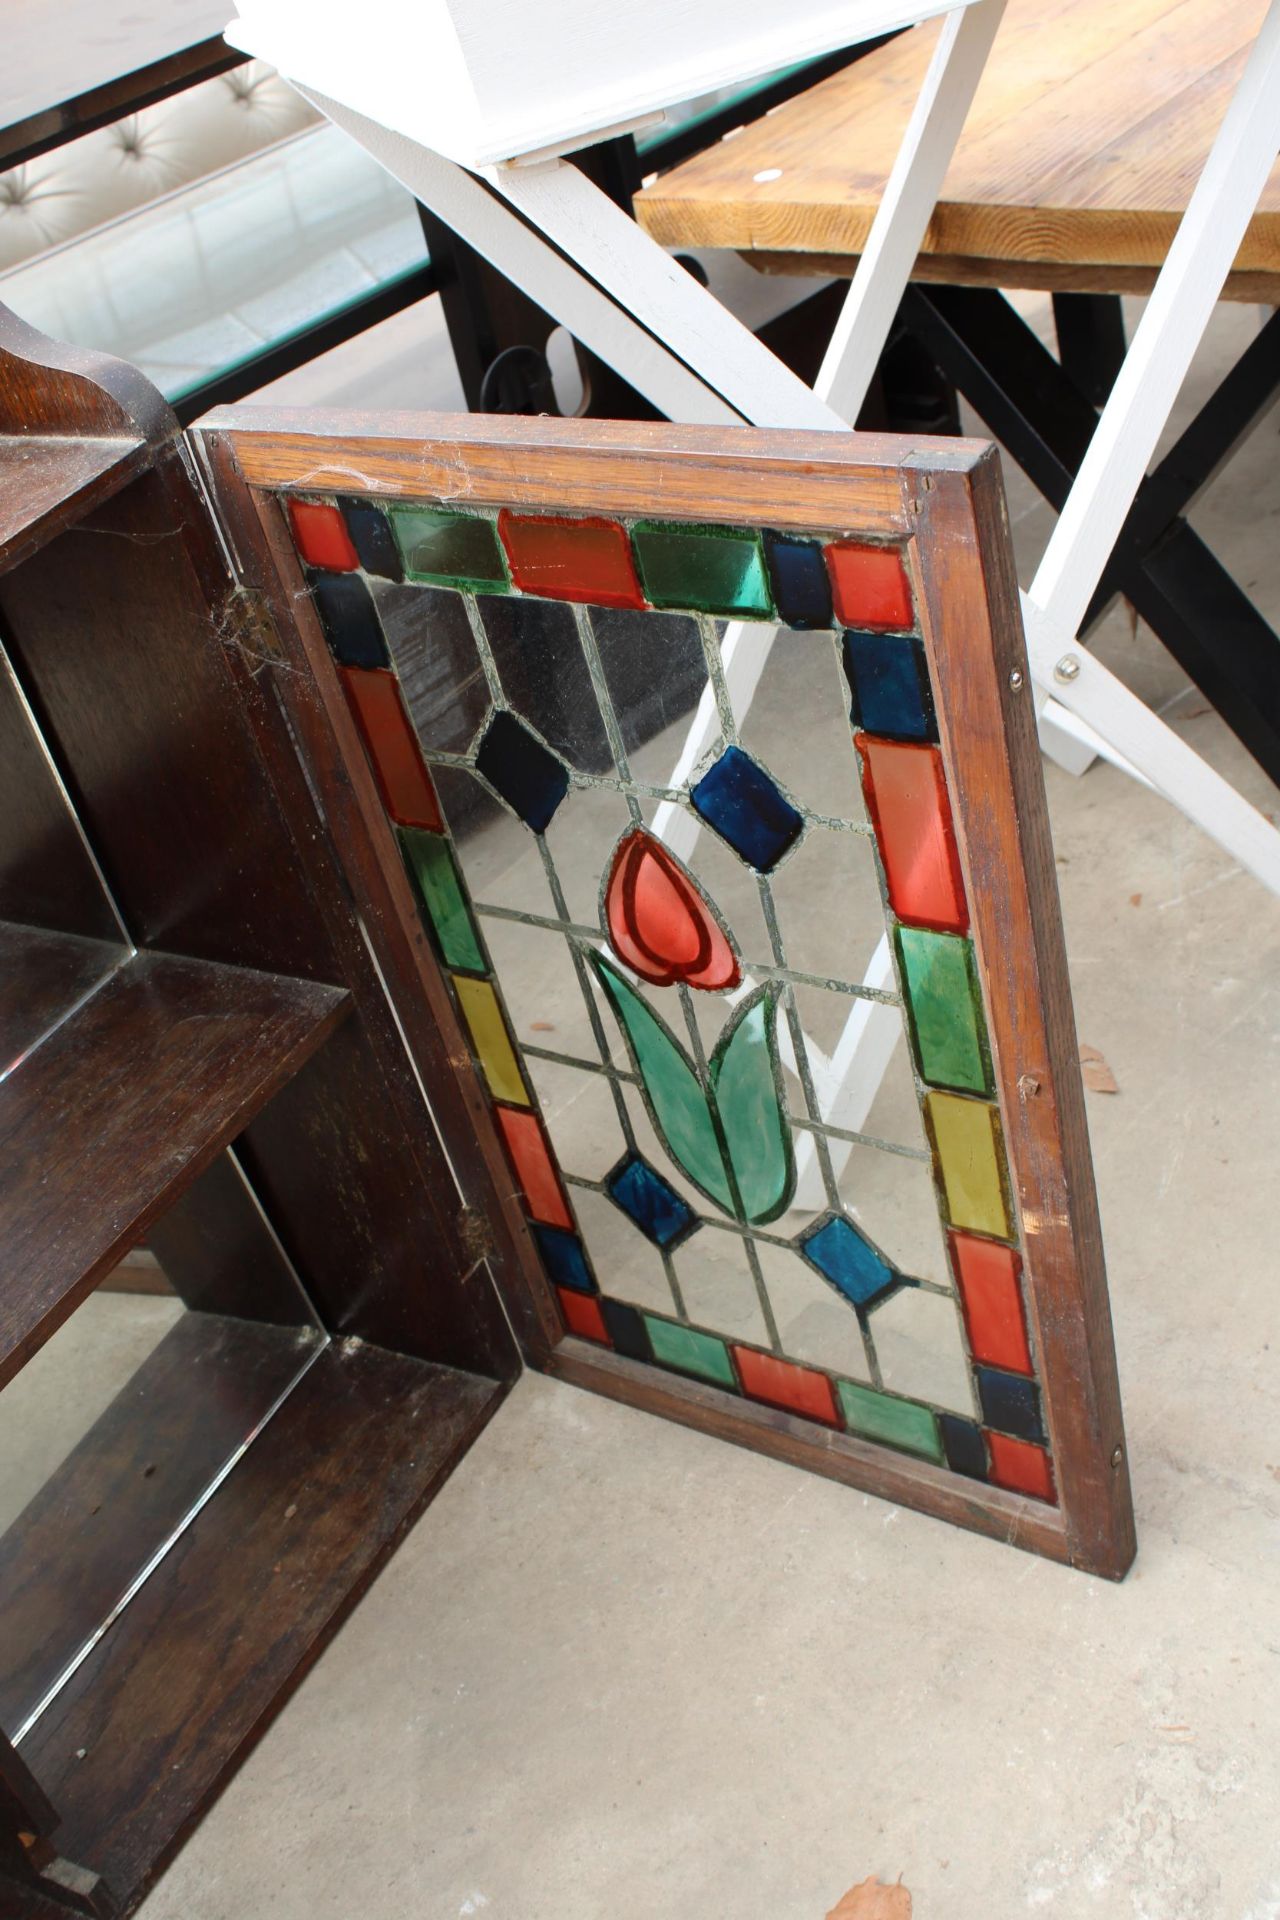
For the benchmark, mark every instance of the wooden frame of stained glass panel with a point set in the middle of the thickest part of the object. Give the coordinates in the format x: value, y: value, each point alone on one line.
x: 886, y: 567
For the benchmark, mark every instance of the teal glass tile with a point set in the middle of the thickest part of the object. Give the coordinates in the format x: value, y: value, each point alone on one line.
x: 904, y: 1424
x: 449, y: 549
x: 944, y: 1009
x: 690, y: 1351
x: 703, y: 569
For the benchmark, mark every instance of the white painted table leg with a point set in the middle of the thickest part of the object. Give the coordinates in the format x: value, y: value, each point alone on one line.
x: 488, y: 226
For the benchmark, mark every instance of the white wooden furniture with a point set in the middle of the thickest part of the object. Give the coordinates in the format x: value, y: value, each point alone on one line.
x: 451, y: 119
x: 460, y: 99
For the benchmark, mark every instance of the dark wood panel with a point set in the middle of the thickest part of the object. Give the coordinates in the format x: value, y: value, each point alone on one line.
x: 47, y: 878
x: 72, y: 1553
x: 218, y: 1252
x: 358, y: 1214
x: 146, y: 1732
x: 121, y: 1108
x: 124, y: 665
x: 42, y: 975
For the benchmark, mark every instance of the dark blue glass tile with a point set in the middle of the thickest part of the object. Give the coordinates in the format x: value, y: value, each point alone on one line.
x: 964, y: 1446
x: 526, y: 774
x: 1010, y: 1403
x: 801, y: 583
x: 564, y: 1259
x: 652, y: 1202
x: 848, y: 1260
x: 889, y: 680
x: 372, y: 539
x: 349, y: 619
x: 746, y: 808
x: 626, y: 1329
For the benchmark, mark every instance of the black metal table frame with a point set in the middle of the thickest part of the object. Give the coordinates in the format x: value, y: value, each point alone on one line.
x: 1044, y: 410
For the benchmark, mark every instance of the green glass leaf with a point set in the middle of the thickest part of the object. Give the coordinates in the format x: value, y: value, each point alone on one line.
x: 744, y: 1078
x: 679, y: 1106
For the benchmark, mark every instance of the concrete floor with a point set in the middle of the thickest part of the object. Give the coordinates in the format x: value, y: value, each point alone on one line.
x: 620, y: 1668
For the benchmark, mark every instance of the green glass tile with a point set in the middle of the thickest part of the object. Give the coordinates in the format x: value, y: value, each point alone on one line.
x: 435, y: 878
x: 969, y: 1145
x: 690, y: 1351
x: 706, y: 569
x: 679, y: 1103
x: 947, y: 1026
x: 894, y: 1423
x: 449, y: 549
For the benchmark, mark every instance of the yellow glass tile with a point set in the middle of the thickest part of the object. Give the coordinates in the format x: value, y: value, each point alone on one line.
x: 970, y: 1148
x: 491, y: 1040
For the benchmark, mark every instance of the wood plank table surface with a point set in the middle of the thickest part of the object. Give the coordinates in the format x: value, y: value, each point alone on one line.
x: 1085, y: 139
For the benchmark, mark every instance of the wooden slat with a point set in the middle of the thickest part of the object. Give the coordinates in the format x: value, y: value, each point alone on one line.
x: 122, y: 1107
x: 808, y: 479
x: 1085, y: 139
x: 126, y: 1486
x: 145, y: 1733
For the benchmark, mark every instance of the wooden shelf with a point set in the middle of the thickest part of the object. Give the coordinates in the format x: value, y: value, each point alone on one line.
x: 241, y: 1606
x: 49, y: 480
x: 128, y: 1484
x: 42, y: 975
x: 106, y: 1121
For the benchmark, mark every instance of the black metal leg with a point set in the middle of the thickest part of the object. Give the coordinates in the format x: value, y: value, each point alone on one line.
x: 1091, y: 343
x: 1034, y: 407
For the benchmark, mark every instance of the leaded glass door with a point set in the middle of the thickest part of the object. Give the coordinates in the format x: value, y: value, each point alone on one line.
x: 689, y: 787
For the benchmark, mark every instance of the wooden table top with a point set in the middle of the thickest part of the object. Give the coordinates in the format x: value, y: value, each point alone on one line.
x: 1087, y: 134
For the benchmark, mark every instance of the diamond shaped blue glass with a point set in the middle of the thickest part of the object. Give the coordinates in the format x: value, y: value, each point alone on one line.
x: 746, y: 808
x: 528, y: 775
x: 652, y: 1202
x: 848, y: 1260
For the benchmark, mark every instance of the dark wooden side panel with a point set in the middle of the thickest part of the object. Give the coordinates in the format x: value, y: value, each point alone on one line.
x: 46, y: 875
x: 356, y: 1214
x: 149, y: 680
x: 139, y: 1742
x: 220, y: 1255
x: 973, y: 627
x: 123, y: 665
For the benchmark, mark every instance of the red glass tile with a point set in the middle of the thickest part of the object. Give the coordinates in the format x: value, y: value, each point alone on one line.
x: 869, y: 586
x: 587, y: 560
x: 660, y: 922
x: 987, y: 1275
x: 1022, y: 1468
x: 321, y: 536
x: 907, y: 800
x: 784, y: 1385
x: 582, y: 1315
x: 539, y: 1181
x: 407, y: 792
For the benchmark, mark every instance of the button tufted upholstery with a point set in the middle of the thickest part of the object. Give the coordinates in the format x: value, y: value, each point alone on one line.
x: 194, y: 236
x: 69, y: 192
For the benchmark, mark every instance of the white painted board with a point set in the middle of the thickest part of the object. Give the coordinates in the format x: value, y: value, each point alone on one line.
x: 483, y: 81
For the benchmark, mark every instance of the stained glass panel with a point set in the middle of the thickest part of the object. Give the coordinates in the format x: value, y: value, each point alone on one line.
x: 660, y: 965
